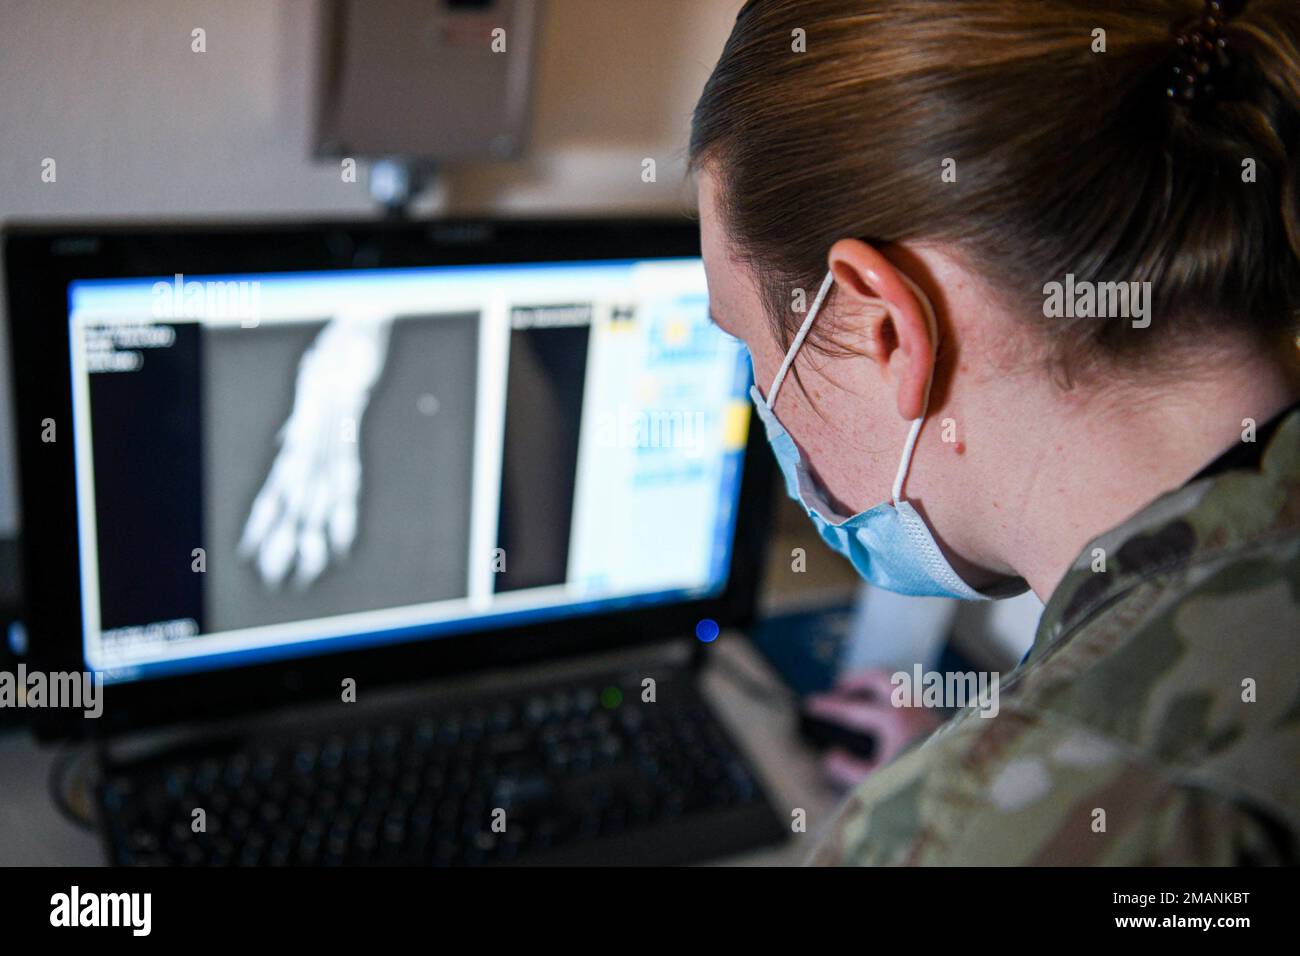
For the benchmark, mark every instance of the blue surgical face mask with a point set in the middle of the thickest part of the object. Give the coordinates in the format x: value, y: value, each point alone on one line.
x: 890, y: 545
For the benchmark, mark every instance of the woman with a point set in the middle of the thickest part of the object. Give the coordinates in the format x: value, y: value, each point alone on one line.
x: 1033, y: 269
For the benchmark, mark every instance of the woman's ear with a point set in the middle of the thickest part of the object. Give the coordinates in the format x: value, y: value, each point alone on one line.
x: 879, y: 304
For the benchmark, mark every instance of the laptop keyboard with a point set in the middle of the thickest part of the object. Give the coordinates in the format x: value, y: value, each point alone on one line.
x: 580, y: 773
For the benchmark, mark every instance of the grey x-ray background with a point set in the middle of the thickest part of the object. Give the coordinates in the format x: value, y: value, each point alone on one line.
x: 416, y: 469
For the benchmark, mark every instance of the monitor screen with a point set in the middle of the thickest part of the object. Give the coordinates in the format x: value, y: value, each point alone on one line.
x: 278, y: 465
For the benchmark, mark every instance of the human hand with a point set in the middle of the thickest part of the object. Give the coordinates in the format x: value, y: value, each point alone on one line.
x: 861, y: 703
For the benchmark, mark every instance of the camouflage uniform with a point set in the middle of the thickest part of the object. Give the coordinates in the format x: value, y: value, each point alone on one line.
x: 1131, y: 702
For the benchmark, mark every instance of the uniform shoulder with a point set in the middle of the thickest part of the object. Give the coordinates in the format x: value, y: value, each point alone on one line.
x: 1165, y: 729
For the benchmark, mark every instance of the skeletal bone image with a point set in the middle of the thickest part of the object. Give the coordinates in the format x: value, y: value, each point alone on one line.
x: 305, y: 514
x: 367, y: 467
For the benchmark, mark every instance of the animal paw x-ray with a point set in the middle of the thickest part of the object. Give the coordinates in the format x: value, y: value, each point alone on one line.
x: 308, y: 507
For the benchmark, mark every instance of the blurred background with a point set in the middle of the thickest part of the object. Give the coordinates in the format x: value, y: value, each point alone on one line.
x: 162, y: 133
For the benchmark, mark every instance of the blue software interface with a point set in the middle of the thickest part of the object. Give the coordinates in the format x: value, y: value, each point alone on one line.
x: 277, y: 465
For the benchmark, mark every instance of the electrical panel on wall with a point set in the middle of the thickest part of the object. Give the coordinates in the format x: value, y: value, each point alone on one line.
x: 431, y: 81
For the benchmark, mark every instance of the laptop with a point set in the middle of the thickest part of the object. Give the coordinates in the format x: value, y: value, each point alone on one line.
x: 388, y: 543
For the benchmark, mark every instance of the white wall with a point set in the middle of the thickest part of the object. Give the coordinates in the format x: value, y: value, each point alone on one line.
x: 142, y: 127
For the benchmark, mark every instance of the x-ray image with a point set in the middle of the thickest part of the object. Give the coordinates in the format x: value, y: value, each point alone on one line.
x: 338, y: 459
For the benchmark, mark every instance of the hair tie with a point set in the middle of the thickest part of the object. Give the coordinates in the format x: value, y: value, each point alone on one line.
x: 1204, y: 63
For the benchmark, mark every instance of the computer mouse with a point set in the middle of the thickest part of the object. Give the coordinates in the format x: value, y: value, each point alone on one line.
x: 824, y: 734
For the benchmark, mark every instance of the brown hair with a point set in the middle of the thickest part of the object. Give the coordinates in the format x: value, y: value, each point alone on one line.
x: 1068, y: 161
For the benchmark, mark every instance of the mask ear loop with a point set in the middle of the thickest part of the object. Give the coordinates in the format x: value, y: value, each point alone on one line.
x: 910, y: 447
x: 915, y: 432
x: 798, y: 339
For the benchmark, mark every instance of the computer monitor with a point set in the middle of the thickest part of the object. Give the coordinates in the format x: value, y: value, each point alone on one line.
x: 290, y: 445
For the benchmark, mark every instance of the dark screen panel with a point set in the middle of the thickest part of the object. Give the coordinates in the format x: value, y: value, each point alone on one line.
x: 148, y: 485
x: 547, y: 372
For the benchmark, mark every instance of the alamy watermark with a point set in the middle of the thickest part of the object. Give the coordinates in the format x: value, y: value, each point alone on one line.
x: 1083, y: 299
x: 208, y: 299
x: 630, y: 427
x: 954, y: 690
x: 72, y: 690
x: 130, y: 910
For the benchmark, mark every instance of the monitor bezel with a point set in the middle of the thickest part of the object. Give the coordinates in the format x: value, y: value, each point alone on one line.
x: 40, y: 262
